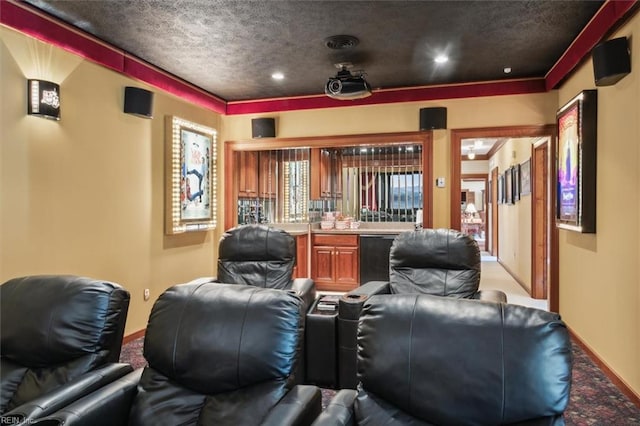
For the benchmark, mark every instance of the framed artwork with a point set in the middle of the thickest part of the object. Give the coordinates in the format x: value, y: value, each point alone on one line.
x: 508, y: 185
x: 516, y: 182
x: 500, y: 199
x: 576, y: 163
x: 190, y: 170
x: 525, y: 178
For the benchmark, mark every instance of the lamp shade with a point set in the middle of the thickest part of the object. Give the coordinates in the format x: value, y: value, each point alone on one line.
x: 471, y: 209
x: 43, y: 99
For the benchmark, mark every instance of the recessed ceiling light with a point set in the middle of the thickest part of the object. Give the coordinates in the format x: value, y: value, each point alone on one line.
x: 277, y: 76
x: 507, y: 70
x: 441, y: 59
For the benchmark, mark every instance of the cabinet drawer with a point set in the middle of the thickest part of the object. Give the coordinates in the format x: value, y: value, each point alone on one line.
x: 335, y: 240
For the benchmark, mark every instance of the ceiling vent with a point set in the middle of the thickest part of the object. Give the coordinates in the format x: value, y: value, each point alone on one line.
x: 340, y: 42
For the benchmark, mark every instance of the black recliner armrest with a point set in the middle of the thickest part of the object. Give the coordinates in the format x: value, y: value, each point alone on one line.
x: 306, y: 289
x: 491, y: 296
x: 299, y: 407
x: 349, y: 307
x: 109, y: 405
x: 350, y: 304
x: 339, y: 412
x: 64, y: 395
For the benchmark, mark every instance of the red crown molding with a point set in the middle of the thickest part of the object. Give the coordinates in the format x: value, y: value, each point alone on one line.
x: 30, y: 21
x: 609, y: 15
x: 138, y: 69
x: 391, y: 96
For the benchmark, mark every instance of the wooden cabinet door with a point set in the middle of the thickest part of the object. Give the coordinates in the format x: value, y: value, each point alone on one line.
x: 320, y: 178
x: 322, y: 264
x: 347, y: 267
x: 325, y: 173
x: 336, y: 174
x: 247, y: 174
x: 267, y: 179
x: 301, y: 270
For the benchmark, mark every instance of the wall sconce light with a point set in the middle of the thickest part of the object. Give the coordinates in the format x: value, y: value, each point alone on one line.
x: 43, y: 99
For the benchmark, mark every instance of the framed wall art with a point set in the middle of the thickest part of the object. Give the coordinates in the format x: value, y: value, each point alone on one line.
x: 190, y: 170
x: 525, y: 178
x: 576, y: 163
x: 508, y: 185
x: 516, y: 182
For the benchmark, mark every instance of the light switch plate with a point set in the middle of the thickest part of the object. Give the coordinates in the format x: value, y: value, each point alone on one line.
x: 440, y: 182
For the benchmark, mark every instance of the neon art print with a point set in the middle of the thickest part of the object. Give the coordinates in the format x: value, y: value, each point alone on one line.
x: 576, y: 160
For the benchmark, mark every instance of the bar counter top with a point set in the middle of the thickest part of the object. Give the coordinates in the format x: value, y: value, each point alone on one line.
x: 375, y: 228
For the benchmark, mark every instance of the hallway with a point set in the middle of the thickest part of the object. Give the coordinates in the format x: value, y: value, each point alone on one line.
x: 494, y: 277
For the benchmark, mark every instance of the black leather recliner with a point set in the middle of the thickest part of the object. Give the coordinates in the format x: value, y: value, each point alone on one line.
x: 60, y: 338
x: 261, y: 256
x: 426, y: 360
x: 218, y: 354
x: 440, y: 262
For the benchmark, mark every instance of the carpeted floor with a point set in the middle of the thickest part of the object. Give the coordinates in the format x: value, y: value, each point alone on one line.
x: 595, y: 401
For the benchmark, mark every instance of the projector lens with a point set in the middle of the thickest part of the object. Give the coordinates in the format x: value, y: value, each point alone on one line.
x: 334, y: 86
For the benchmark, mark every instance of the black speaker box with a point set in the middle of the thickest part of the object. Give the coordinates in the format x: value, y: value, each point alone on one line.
x: 611, y: 61
x: 138, y: 101
x: 263, y: 128
x: 433, y: 118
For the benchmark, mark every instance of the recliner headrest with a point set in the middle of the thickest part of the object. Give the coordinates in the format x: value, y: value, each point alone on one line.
x: 256, y: 243
x: 454, y: 361
x: 214, y: 337
x: 435, y: 248
x: 442, y: 262
x: 51, y: 319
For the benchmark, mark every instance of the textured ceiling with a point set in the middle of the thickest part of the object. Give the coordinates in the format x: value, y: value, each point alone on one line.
x: 231, y: 48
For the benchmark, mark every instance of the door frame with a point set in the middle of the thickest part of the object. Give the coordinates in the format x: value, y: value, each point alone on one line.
x: 548, y: 130
x: 494, y: 212
x: 539, y: 223
x: 478, y: 177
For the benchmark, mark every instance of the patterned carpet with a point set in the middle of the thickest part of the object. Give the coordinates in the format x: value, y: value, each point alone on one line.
x: 595, y: 401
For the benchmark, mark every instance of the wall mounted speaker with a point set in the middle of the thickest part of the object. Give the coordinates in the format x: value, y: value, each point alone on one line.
x: 433, y: 118
x: 138, y: 101
x: 263, y: 128
x: 611, y: 61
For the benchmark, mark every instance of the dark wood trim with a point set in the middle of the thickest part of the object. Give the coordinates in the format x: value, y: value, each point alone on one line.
x: 397, y: 138
x: 230, y: 187
x: 611, y: 375
x: 494, y: 248
x: 133, y: 336
x: 475, y: 176
x: 482, y: 132
x: 478, y: 157
x: 553, y: 288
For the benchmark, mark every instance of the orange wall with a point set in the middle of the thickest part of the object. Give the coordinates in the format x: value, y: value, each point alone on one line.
x: 85, y: 195
x: 600, y: 273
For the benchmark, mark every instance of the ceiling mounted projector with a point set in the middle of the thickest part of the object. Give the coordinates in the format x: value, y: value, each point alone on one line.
x: 346, y: 86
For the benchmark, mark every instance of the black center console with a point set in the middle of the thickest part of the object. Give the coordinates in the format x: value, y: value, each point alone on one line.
x: 321, y: 342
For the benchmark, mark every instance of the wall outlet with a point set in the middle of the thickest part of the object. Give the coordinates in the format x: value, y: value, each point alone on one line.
x: 147, y: 294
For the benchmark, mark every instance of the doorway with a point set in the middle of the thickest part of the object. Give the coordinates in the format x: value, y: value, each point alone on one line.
x: 540, y: 274
x: 540, y: 220
x: 474, y: 207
